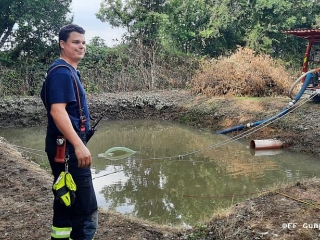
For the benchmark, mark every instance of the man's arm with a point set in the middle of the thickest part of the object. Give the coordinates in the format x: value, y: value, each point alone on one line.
x: 63, y: 123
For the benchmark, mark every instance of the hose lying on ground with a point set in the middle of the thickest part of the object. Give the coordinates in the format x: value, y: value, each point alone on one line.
x: 283, y: 111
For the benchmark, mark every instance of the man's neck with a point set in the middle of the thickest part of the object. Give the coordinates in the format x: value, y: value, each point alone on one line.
x: 73, y: 64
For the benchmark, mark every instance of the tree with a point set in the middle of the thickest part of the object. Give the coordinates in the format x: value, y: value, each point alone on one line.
x: 200, y: 27
x: 141, y: 18
x: 143, y: 21
x: 28, y: 27
x: 203, y: 27
x: 270, y: 17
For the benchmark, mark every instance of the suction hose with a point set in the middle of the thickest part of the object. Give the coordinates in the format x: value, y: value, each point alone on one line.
x: 299, y: 79
x: 284, y: 111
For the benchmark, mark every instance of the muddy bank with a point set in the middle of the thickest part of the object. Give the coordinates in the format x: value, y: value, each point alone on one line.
x: 300, y: 128
x: 25, y: 188
x: 164, y: 105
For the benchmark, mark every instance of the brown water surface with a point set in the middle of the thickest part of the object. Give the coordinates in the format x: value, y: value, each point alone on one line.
x: 178, y: 175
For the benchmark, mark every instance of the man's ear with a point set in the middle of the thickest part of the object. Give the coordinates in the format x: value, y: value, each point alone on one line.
x: 61, y: 43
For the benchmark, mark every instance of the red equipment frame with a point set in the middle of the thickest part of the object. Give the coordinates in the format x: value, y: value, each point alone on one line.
x: 312, y: 35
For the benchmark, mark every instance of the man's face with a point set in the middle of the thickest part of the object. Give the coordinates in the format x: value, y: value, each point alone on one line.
x: 74, y: 48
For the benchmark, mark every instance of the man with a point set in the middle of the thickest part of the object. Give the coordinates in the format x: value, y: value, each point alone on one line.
x: 68, y: 116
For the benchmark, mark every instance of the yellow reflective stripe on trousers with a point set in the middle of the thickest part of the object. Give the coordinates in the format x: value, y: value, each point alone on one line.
x: 60, y: 232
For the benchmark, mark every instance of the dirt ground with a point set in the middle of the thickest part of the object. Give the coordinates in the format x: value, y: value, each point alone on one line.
x: 285, y: 212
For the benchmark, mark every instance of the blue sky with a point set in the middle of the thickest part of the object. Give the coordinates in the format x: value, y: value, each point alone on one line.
x: 84, y: 15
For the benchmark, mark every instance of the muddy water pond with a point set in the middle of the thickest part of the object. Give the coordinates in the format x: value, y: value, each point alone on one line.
x: 178, y: 175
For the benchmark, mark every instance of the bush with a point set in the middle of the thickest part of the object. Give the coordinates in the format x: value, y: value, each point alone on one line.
x: 242, y: 74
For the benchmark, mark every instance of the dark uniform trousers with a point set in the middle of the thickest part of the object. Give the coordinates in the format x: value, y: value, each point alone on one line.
x: 80, y: 221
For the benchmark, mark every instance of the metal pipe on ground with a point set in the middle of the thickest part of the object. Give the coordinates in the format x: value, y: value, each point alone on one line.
x: 267, y: 144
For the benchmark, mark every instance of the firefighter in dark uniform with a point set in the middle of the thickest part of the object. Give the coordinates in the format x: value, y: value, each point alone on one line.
x: 68, y: 116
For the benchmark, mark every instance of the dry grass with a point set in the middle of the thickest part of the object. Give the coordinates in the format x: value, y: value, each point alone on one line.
x: 263, y: 217
x: 242, y: 74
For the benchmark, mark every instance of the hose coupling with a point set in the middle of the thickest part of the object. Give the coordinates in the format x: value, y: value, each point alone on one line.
x: 291, y: 103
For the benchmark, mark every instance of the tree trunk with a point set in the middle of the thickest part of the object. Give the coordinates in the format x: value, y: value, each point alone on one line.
x: 6, y: 35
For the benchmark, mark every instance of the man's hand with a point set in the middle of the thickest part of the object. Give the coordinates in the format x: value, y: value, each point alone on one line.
x: 62, y: 121
x: 84, y: 156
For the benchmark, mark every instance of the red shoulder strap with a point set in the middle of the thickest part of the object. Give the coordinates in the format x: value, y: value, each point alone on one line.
x: 82, y: 117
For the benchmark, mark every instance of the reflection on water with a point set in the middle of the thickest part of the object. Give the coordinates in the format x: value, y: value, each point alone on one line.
x: 178, y: 175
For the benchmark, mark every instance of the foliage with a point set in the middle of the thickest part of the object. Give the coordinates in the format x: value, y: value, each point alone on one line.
x: 129, y: 68
x: 28, y: 40
x: 212, y: 29
x: 101, y: 66
x: 165, y: 43
x: 24, y: 79
x: 244, y: 73
x: 269, y: 18
x: 175, y: 25
x: 142, y: 18
x: 29, y: 28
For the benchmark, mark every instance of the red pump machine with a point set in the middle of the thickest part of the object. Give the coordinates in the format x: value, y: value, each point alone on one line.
x: 311, y: 58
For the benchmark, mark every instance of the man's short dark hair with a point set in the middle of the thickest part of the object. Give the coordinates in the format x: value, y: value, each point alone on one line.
x: 66, y: 30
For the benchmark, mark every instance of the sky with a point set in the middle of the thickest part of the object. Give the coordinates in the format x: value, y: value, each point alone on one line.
x: 84, y: 15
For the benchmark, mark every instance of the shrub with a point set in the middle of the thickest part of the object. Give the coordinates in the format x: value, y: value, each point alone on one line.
x: 244, y: 73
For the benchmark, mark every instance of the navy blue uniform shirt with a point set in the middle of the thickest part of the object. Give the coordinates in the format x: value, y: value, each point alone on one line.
x: 60, y: 87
